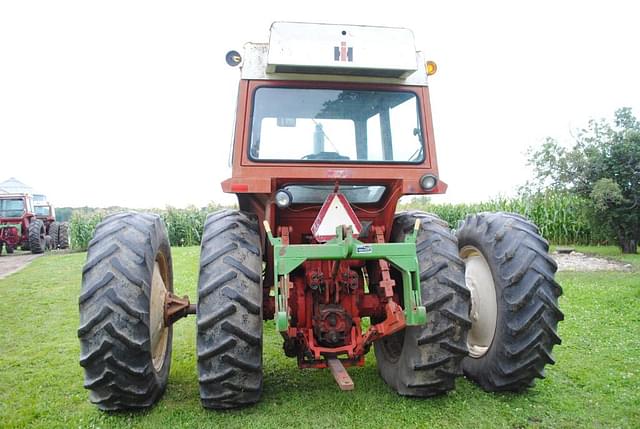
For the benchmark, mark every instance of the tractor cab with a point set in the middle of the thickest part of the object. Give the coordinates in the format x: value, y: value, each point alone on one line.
x: 44, y: 211
x: 43, y: 208
x: 14, y: 206
x: 323, y: 104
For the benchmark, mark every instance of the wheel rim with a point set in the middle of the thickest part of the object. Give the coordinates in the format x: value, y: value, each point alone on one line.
x: 484, y: 307
x: 158, y: 331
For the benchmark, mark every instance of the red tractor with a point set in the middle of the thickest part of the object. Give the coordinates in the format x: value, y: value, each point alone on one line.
x: 19, y: 225
x: 333, y: 126
x: 58, y: 232
x: 29, y: 222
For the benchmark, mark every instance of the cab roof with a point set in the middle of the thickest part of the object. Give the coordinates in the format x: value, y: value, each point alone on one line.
x: 335, y: 52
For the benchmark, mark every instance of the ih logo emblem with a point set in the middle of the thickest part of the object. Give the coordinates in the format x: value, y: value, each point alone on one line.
x: 342, y: 53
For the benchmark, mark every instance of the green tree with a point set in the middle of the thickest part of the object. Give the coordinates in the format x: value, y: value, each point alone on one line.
x: 604, y: 166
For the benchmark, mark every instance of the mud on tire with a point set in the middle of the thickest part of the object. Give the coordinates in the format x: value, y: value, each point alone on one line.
x: 229, y: 314
x: 125, y: 349
x: 526, y: 296
x: 425, y: 360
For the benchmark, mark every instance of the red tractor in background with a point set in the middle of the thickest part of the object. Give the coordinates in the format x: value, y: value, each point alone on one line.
x: 29, y: 222
x: 57, y: 231
x: 333, y: 126
x: 19, y: 226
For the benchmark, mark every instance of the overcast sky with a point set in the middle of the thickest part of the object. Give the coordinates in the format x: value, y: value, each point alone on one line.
x: 131, y: 103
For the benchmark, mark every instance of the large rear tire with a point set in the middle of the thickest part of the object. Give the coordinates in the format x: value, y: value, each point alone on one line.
x: 125, y: 346
x: 425, y: 360
x: 37, y: 234
x: 229, y: 340
x: 54, y: 228
x: 514, y: 309
x: 63, y: 235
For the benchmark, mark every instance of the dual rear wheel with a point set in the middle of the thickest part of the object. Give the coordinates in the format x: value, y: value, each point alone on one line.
x: 492, y: 307
x: 125, y: 344
x: 59, y: 233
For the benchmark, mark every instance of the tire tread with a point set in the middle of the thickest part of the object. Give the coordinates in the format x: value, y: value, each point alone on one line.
x: 229, y: 339
x: 114, y: 317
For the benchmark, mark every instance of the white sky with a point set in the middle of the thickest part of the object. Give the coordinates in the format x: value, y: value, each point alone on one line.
x: 131, y: 103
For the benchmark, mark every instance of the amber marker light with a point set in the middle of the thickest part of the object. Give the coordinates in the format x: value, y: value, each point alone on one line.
x: 431, y: 68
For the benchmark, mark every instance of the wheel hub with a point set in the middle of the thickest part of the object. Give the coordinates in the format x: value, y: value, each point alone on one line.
x: 484, y: 307
x: 158, y: 330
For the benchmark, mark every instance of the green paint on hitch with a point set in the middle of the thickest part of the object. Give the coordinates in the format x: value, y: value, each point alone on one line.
x: 402, y: 256
x: 282, y: 321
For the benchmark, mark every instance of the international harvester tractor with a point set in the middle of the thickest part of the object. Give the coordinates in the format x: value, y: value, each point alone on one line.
x: 333, y: 126
x: 28, y: 222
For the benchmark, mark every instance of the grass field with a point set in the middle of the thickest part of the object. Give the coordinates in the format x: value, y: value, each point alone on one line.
x: 595, y: 383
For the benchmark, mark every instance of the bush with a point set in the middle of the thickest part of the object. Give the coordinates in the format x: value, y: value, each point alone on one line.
x: 603, y: 166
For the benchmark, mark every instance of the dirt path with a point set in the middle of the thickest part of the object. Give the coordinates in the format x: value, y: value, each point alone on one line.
x: 10, y: 264
x: 576, y: 261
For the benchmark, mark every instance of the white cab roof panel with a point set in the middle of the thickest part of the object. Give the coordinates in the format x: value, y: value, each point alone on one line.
x: 321, y: 52
x: 341, y: 49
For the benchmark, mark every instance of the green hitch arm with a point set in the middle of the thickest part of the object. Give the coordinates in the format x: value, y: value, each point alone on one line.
x: 415, y: 313
x: 281, y: 317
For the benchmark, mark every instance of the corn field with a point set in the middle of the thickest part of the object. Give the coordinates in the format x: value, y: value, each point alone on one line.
x: 562, y: 218
x: 81, y: 226
x: 184, y: 226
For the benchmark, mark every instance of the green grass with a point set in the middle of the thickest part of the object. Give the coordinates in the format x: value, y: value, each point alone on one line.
x: 595, y: 383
